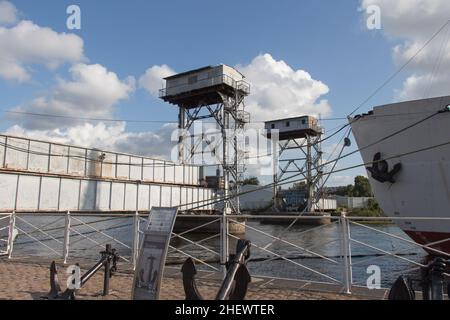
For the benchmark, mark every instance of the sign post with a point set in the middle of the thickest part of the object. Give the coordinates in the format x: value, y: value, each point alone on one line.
x: 152, y: 253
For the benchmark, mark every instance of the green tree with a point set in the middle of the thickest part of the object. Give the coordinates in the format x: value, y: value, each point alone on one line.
x: 251, y: 181
x: 361, y: 188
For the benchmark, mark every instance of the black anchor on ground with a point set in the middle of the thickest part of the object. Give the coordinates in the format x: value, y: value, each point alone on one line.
x: 432, y: 282
x: 108, y: 260
x: 235, y: 284
x: 380, y: 169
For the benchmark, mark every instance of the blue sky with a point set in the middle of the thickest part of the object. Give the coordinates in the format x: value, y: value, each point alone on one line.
x: 328, y: 39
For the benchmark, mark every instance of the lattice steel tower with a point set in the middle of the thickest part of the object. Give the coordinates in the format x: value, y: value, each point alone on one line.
x: 213, y: 92
x: 303, y: 136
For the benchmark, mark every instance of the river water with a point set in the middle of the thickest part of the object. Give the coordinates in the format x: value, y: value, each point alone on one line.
x: 307, y: 265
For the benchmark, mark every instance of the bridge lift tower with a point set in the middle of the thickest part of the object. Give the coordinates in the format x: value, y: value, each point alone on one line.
x: 302, y: 135
x: 212, y: 92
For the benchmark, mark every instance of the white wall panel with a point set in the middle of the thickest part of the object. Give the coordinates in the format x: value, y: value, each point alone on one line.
x: 49, y: 194
x: 155, y: 196
x: 166, y: 199
x: 130, y: 196
x: 144, y: 196
x: 28, y: 193
x: 88, y: 194
x: 68, y: 198
x: 117, y: 196
x: 103, y: 195
x: 175, y: 196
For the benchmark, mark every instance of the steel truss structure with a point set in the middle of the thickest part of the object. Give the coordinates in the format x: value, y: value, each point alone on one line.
x: 224, y: 144
x: 307, y: 164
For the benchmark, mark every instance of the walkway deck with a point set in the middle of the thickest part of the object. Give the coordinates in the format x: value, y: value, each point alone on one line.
x: 25, y: 280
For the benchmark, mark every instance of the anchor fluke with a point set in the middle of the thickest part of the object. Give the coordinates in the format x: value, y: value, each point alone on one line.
x: 55, y: 288
x: 190, y: 287
x: 235, y: 284
x: 401, y: 290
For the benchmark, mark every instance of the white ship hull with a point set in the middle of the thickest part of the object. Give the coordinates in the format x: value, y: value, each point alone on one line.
x: 421, y: 187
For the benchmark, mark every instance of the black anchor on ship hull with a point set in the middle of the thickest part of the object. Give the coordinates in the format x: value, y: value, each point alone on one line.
x: 380, y: 169
x: 235, y: 284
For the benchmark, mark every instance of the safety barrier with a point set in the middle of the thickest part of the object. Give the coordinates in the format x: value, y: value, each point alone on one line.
x: 347, y: 255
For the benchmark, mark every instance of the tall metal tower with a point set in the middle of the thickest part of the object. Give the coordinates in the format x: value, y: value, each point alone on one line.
x: 302, y: 135
x: 213, y: 92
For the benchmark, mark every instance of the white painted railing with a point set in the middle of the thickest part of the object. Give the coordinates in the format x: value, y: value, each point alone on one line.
x: 349, y: 247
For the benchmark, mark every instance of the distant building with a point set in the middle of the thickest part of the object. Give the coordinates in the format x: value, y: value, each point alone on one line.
x: 256, y: 200
x: 293, y: 198
x: 352, y: 202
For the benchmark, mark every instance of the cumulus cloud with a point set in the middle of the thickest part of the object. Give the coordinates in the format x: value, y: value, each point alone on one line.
x: 26, y: 44
x: 412, y: 22
x: 112, y: 137
x: 8, y: 13
x: 153, y: 78
x: 92, y: 93
x: 277, y: 87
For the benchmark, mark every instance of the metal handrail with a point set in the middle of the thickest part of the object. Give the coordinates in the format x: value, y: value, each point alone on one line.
x: 241, y: 85
x: 347, y: 281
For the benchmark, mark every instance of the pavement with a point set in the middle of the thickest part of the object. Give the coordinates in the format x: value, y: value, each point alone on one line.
x: 27, y: 280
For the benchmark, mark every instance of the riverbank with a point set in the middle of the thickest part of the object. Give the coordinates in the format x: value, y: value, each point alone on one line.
x: 25, y: 280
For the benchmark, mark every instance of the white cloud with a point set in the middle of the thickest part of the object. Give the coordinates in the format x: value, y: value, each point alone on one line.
x: 153, y: 78
x: 92, y: 93
x: 413, y: 22
x: 26, y: 44
x: 8, y: 13
x: 276, y: 88
x: 109, y: 137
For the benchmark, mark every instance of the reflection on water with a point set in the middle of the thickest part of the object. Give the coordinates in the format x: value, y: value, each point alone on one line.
x: 322, y: 255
